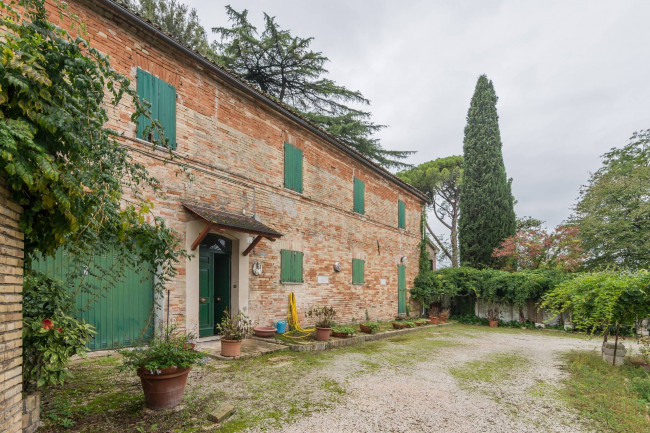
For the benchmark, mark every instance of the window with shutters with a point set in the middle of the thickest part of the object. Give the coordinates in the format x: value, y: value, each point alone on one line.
x: 401, y: 214
x: 359, y: 199
x: 357, y: 271
x: 292, y: 167
x: 162, y: 97
x: 291, y: 266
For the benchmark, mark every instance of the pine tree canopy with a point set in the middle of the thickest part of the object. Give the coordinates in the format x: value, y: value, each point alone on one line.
x: 487, y: 214
x: 285, y: 67
x: 176, y: 19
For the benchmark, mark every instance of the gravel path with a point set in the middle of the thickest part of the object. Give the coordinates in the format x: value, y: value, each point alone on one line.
x: 424, y: 396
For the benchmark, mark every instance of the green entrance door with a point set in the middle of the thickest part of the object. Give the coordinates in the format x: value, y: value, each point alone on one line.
x: 214, y: 282
x: 401, y: 289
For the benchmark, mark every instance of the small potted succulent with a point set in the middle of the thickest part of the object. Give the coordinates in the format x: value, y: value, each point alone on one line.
x: 324, y: 321
x: 342, y: 331
x: 163, y: 367
x: 444, y: 315
x: 233, y: 330
x: 493, y: 316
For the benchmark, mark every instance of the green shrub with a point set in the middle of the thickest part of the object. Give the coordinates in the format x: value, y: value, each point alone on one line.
x: 344, y: 329
x: 51, y: 334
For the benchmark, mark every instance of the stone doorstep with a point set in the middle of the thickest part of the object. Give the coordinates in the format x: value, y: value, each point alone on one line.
x: 342, y: 342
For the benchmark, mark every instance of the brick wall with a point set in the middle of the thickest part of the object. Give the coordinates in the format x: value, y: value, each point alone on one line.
x: 11, y: 277
x: 233, y: 146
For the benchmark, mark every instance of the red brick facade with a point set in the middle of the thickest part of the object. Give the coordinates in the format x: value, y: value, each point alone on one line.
x: 233, y: 145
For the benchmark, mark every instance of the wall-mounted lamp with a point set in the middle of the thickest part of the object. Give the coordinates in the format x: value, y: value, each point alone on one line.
x: 403, y: 259
x: 337, y: 267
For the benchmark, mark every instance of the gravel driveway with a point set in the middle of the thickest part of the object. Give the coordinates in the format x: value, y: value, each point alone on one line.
x: 436, y: 392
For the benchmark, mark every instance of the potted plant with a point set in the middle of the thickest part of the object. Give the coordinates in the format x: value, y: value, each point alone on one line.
x: 370, y: 327
x: 342, y: 331
x: 421, y: 322
x: 493, y: 316
x: 324, y: 321
x: 444, y: 315
x: 233, y: 329
x: 399, y: 322
x: 434, y: 315
x: 163, y: 367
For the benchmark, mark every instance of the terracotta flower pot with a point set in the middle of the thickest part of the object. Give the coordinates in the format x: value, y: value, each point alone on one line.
x: 264, y: 331
x: 434, y: 319
x: 230, y: 348
x: 323, y: 334
x: 442, y: 319
x: 341, y: 335
x: 493, y: 323
x: 398, y: 325
x: 365, y: 328
x: 164, y: 390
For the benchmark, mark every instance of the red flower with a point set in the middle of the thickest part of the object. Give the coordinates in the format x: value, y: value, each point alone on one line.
x: 59, y: 329
x: 47, y: 324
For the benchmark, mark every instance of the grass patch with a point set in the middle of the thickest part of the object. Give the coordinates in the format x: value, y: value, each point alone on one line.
x: 496, y: 369
x: 617, y: 398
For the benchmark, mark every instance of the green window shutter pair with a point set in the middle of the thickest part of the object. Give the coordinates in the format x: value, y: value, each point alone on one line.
x: 359, y: 199
x: 291, y: 266
x: 292, y: 167
x: 162, y: 97
x: 358, y: 271
x: 401, y: 214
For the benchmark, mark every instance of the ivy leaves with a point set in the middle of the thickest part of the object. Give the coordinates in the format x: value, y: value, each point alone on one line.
x: 63, y: 165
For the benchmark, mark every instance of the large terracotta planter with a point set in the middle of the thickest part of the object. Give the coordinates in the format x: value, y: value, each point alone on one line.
x: 398, y: 325
x: 493, y: 323
x: 433, y: 319
x: 164, y: 390
x: 323, y: 334
x: 230, y: 348
x: 264, y: 331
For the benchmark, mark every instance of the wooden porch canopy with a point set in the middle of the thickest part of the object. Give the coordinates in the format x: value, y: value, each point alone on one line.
x: 220, y: 221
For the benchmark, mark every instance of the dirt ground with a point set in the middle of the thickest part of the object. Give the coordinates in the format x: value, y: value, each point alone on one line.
x: 457, y: 378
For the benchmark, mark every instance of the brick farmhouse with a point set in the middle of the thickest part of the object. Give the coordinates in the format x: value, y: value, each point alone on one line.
x: 276, y: 204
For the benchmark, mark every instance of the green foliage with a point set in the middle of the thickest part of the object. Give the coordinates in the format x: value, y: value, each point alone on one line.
x: 601, y: 299
x: 235, y: 327
x: 488, y: 284
x: 617, y: 398
x: 50, y: 334
x: 285, y: 67
x: 486, y: 204
x: 374, y: 326
x: 324, y: 316
x: 613, y: 211
x: 440, y: 181
x: 176, y: 19
x: 67, y: 170
x: 170, y: 349
x: 344, y: 329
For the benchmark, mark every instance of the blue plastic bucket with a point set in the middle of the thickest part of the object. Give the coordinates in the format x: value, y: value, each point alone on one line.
x: 280, y: 326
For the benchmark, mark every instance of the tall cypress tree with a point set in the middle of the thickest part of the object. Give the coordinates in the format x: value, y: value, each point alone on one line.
x: 486, y: 205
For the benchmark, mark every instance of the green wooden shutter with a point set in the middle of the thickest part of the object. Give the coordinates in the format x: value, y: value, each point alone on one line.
x: 167, y: 111
x: 292, y: 167
x: 162, y: 97
x: 359, y: 202
x: 285, y: 268
x: 401, y: 289
x: 297, y: 267
x: 145, y: 88
x: 358, y: 271
x: 401, y: 218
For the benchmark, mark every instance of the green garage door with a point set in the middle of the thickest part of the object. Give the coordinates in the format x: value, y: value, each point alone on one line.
x: 123, y: 316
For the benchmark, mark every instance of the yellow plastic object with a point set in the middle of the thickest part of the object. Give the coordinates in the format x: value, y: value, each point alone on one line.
x: 293, y: 322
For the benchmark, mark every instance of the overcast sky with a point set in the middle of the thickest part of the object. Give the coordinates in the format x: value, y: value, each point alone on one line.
x: 572, y: 77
